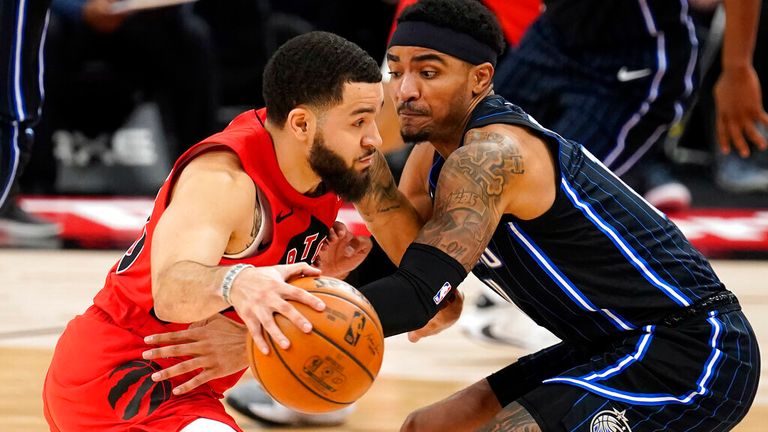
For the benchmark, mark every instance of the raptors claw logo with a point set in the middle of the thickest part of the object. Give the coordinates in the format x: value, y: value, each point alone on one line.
x: 132, y: 389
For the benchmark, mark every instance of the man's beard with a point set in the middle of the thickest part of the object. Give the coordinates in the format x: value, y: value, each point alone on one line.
x: 415, y: 137
x: 348, y: 183
x: 436, y: 129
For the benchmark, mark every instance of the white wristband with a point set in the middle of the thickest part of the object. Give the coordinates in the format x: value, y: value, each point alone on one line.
x: 229, y: 279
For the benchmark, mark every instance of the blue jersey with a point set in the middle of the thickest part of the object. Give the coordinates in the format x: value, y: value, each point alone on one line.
x: 601, y: 260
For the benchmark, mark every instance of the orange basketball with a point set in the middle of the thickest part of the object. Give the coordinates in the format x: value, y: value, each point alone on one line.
x: 332, y: 366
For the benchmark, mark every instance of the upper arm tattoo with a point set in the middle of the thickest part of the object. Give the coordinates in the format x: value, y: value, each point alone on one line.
x: 513, y: 418
x: 470, y: 196
x: 383, y: 196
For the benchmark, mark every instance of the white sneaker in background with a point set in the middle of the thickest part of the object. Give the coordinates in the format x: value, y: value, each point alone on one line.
x: 737, y: 175
x: 493, y: 320
x: 15, y: 222
x: 250, y: 400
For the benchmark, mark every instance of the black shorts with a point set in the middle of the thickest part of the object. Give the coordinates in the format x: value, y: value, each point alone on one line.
x: 618, y: 102
x: 700, y: 375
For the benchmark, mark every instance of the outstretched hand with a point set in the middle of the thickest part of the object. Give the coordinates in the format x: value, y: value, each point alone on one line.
x: 738, y: 99
x: 217, y: 347
x: 343, y: 252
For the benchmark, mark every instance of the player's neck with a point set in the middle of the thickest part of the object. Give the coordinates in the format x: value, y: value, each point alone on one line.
x: 292, y: 160
x: 448, y: 143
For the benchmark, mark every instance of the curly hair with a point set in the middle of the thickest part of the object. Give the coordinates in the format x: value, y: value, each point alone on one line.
x: 466, y: 16
x: 312, y: 69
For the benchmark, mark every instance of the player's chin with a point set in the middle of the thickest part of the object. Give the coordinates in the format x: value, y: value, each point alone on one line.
x: 414, y: 134
x: 412, y: 122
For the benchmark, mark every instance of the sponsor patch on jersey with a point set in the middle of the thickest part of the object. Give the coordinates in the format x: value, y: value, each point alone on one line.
x: 609, y: 421
x: 442, y: 293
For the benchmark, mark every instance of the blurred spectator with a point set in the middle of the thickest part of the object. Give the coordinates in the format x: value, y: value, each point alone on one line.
x: 613, y: 76
x: 740, y: 117
x: 344, y: 17
x: 22, y: 38
x: 695, y: 140
x: 243, y: 41
x: 106, y: 62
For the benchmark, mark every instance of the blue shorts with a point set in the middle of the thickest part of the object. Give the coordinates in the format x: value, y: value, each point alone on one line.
x: 700, y: 375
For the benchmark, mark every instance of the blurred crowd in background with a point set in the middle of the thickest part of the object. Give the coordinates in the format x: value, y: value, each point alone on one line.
x: 125, y: 94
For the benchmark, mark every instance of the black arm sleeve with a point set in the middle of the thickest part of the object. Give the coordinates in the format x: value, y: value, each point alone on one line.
x: 375, y: 266
x: 410, y: 297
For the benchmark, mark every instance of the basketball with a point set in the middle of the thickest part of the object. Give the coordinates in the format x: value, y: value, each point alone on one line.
x: 332, y: 366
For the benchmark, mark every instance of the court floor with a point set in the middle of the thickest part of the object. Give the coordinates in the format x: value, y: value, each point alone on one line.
x: 41, y: 290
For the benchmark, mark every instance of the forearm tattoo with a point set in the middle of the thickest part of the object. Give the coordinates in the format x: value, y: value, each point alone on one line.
x: 383, y: 196
x: 513, y: 418
x: 469, y: 197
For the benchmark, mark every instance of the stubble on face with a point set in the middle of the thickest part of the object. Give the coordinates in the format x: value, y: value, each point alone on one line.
x: 435, y: 128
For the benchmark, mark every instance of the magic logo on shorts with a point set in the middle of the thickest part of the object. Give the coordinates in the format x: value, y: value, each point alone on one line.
x: 609, y: 421
x: 132, y: 390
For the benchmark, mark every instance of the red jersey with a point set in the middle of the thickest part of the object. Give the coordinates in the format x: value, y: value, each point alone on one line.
x: 97, y: 379
x: 300, y: 223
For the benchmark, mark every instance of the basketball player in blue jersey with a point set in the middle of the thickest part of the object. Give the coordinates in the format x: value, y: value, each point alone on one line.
x: 651, y: 338
x: 616, y: 76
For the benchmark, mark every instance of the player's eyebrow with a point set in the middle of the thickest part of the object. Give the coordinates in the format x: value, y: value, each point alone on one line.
x: 428, y: 57
x: 363, y: 110
x: 419, y: 58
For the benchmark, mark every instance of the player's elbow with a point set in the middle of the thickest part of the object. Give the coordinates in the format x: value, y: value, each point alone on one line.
x: 169, y: 311
x: 171, y: 308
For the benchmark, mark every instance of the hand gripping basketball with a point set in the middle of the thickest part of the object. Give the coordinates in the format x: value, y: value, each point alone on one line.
x: 334, y: 364
x: 260, y: 294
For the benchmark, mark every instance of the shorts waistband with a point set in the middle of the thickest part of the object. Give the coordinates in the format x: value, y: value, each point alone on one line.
x: 722, y: 302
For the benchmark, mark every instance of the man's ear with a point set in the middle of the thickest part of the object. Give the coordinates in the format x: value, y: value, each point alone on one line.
x: 481, y: 77
x: 300, y: 121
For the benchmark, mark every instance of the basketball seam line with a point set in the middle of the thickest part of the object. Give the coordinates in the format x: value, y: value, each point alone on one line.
x: 353, y: 358
x: 277, y: 353
x: 374, y: 321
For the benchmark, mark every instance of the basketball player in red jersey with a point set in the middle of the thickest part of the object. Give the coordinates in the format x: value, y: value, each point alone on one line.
x: 240, y: 213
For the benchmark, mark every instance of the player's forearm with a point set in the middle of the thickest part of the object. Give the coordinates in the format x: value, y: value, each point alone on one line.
x: 741, y: 21
x: 188, y: 291
x: 409, y: 298
x: 388, y: 214
x: 396, y: 232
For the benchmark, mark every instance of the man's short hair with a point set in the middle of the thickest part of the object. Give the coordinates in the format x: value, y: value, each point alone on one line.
x: 312, y: 69
x: 464, y: 16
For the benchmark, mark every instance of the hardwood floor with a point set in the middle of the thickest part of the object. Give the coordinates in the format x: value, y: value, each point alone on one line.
x: 40, y: 291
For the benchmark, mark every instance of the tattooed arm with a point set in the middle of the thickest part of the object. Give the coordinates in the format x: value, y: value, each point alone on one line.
x: 388, y: 213
x: 513, y: 418
x: 479, y: 182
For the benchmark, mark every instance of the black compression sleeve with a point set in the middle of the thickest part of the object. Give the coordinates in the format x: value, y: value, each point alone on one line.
x: 375, y: 266
x: 410, y: 297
